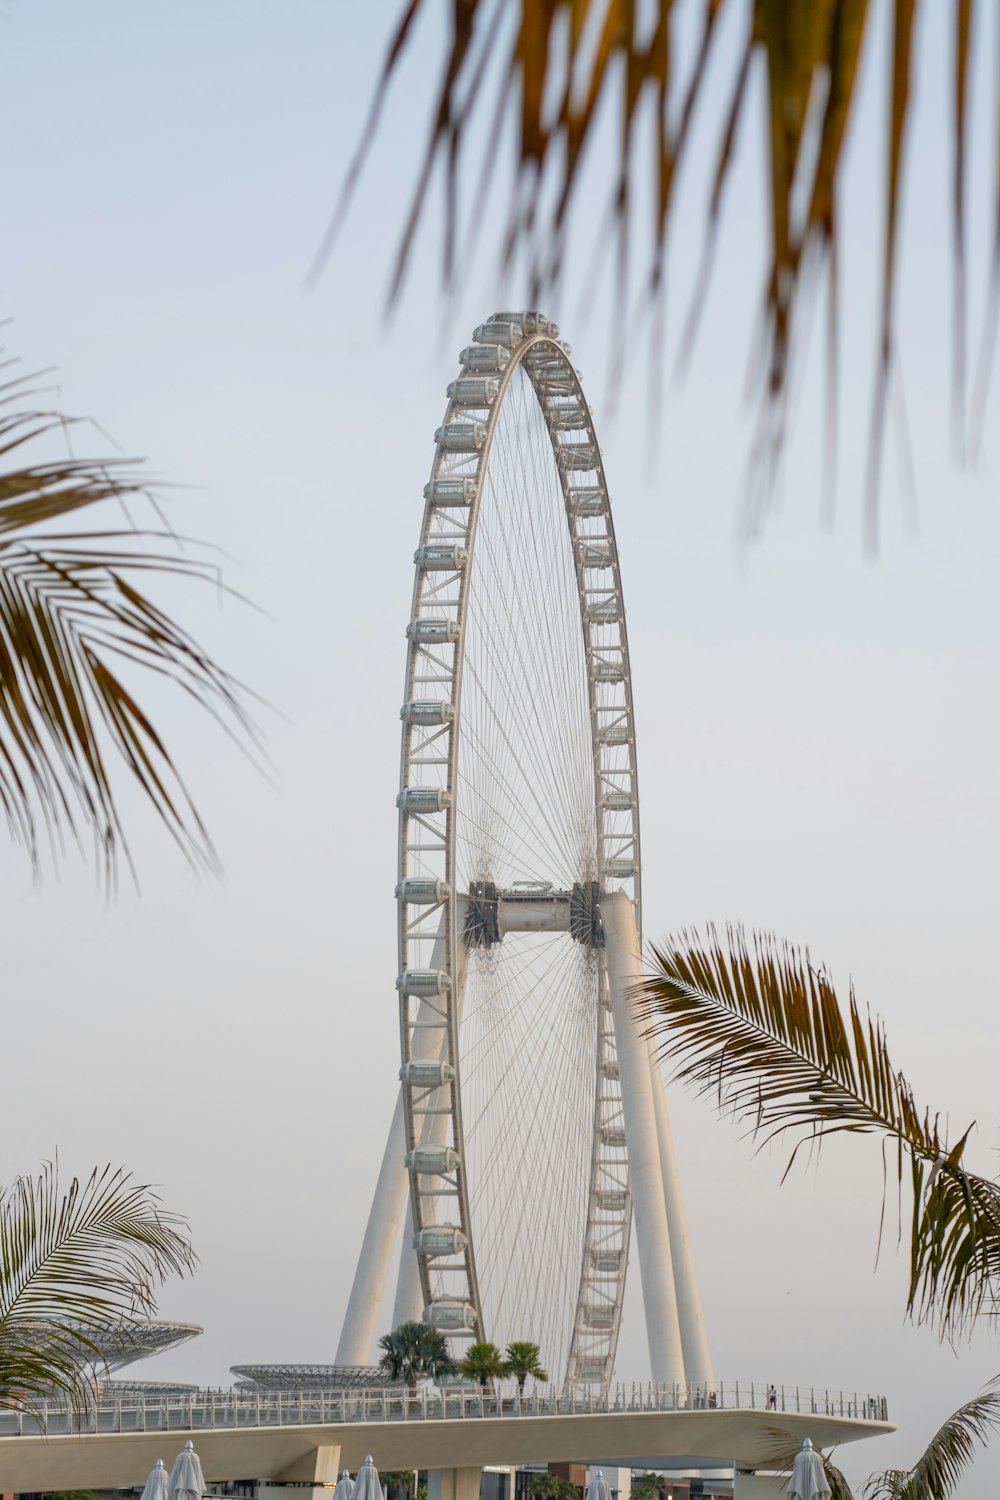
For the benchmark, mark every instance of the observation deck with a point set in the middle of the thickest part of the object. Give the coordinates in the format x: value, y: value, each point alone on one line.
x: 285, y: 1435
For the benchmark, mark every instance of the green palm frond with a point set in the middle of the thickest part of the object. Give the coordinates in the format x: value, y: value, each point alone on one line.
x: 523, y: 1358
x: 648, y: 1486
x: 562, y: 71
x: 483, y: 1362
x: 413, y: 1350
x: 755, y: 1025
x: 936, y: 1473
x: 76, y: 626
x: 71, y: 1264
x: 545, y: 1485
x: 397, y: 1482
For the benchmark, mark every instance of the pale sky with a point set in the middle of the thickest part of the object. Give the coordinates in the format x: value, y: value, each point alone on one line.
x: 818, y: 734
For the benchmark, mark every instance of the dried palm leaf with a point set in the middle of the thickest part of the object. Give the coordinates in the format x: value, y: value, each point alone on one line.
x: 576, y: 66
x: 754, y: 1024
x: 75, y: 620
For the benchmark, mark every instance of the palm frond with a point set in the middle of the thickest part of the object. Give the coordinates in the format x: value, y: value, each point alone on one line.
x: 573, y: 67
x: 840, y: 1488
x: 76, y: 625
x: 413, y: 1350
x: 936, y: 1473
x: 755, y: 1025
x: 71, y: 1264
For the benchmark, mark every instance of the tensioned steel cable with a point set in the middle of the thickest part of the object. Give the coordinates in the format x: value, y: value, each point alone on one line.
x: 525, y: 813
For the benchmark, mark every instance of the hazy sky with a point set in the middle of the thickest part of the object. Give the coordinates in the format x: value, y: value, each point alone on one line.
x: 818, y: 734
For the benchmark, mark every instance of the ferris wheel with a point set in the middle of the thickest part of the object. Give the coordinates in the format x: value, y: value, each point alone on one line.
x: 531, y: 1120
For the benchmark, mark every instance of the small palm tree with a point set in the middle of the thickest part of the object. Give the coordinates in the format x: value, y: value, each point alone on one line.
x: 544, y: 1486
x: 398, y: 1483
x: 648, y: 1486
x: 71, y: 1264
x: 523, y: 1359
x: 413, y: 1351
x: 483, y: 1362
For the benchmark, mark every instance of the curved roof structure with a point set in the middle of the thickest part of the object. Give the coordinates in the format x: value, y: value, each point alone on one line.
x: 123, y: 1343
x: 129, y: 1390
x: 310, y: 1377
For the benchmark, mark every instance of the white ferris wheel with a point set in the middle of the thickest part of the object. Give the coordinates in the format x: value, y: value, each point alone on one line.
x: 531, y: 1123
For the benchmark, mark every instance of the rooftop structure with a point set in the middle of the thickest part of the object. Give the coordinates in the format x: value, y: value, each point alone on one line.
x: 131, y: 1391
x: 123, y: 1343
x: 308, y: 1377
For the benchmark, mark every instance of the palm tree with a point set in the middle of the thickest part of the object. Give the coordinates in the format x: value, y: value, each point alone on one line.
x: 398, y: 1483
x: 936, y: 1473
x: 559, y: 90
x: 760, y: 1029
x: 71, y: 1264
x: 523, y: 1359
x: 412, y: 1351
x: 483, y: 1362
x: 648, y: 1486
x: 545, y: 1486
x: 77, y: 629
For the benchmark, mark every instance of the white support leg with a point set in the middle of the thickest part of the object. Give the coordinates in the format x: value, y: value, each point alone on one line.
x: 694, y: 1340
x: 645, y: 1172
x: 358, y: 1332
x: 408, y: 1306
x: 392, y: 1193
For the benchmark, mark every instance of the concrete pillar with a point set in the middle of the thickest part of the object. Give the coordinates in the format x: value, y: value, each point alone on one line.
x: 454, y: 1484
x: 320, y: 1466
x: 645, y: 1171
x: 694, y: 1339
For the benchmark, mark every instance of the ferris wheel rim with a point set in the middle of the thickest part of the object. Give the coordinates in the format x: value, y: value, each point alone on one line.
x: 526, y: 354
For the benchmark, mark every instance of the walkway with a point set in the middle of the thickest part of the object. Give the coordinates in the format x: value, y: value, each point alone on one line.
x: 216, y: 1409
x: 307, y: 1438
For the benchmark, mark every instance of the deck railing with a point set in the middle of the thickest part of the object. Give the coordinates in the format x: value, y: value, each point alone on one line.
x: 238, y: 1408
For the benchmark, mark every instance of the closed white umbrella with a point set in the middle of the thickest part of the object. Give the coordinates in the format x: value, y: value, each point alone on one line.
x: 367, y: 1485
x: 599, y: 1489
x: 345, y: 1486
x: 808, y: 1481
x: 156, y: 1484
x: 186, y: 1482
